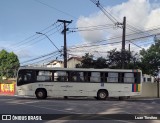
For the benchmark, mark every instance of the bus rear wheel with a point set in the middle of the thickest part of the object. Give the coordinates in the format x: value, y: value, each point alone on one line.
x: 102, y: 94
x: 41, y: 94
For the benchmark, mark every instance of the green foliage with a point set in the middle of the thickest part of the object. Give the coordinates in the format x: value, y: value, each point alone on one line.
x: 113, y: 60
x: 115, y: 57
x: 8, y: 63
x: 89, y: 62
x: 151, y: 59
x: 101, y: 63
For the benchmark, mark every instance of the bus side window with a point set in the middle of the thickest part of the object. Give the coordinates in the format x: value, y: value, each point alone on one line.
x: 61, y: 76
x: 75, y: 76
x: 87, y: 76
x: 112, y: 77
x: 27, y: 76
x: 95, y: 77
x: 44, y: 76
x: 129, y: 77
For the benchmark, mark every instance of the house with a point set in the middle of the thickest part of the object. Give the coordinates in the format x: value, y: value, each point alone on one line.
x: 71, y: 63
x: 148, y: 78
x: 55, y: 63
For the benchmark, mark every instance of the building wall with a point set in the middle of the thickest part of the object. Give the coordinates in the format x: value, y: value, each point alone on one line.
x: 148, y: 78
x: 149, y: 90
x: 72, y: 63
x: 55, y: 65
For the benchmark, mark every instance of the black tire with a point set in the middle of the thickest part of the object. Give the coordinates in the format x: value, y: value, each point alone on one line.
x: 102, y: 95
x: 128, y: 97
x: 41, y: 94
x: 65, y: 97
x: 121, y: 98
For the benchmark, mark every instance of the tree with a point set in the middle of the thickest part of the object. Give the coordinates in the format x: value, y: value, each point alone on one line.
x: 89, y: 62
x: 100, y: 63
x: 151, y: 59
x: 114, y: 59
x: 8, y: 63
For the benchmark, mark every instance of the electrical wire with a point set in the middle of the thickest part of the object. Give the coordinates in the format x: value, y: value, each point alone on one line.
x: 34, y: 41
x: 55, y: 8
x: 42, y: 56
x: 30, y: 37
x: 129, y: 40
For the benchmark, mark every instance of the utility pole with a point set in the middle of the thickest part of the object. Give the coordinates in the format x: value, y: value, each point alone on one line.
x: 129, y: 49
x: 123, y: 41
x: 65, y: 44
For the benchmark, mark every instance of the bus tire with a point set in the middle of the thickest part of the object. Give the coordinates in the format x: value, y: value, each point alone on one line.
x: 65, y: 97
x: 121, y: 98
x: 41, y: 93
x: 102, y: 94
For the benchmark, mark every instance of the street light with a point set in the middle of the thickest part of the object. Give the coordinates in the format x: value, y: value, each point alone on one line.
x: 49, y: 40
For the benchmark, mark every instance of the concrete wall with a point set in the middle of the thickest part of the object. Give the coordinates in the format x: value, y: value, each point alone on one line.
x: 149, y: 90
x: 72, y: 63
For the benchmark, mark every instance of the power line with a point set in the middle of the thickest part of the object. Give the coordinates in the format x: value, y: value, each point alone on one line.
x: 22, y: 41
x: 49, y: 40
x: 136, y: 45
x: 31, y: 39
x: 130, y: 34
x: 129, y: 40
x: 109, y: 16
x: 112, y: 18
x: 46, y: 59
x: 86, y: 27
x: 35, y: 41
x: 92, y: 28
x: 55, y: 9
x: 39, y: 57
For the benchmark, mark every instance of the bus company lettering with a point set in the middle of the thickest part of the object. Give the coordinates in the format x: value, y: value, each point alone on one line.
x: 67, y: 86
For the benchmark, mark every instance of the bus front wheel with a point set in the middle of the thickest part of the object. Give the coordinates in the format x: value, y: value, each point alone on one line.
x: 102, y: 94
x: 41, y: 94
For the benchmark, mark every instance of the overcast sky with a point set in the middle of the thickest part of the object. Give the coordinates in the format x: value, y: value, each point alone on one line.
x: 21, y: 19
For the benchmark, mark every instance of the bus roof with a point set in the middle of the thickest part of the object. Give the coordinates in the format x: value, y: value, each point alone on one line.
x: 79, y: 69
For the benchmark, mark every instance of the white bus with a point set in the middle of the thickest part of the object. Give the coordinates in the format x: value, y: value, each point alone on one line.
x: 100, y: 83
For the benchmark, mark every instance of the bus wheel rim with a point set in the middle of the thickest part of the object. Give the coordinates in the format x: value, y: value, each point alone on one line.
x: 40, y: 94
x: 102, y: 95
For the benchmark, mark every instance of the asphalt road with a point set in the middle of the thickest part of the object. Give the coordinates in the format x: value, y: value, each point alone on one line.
x: 90, y: 109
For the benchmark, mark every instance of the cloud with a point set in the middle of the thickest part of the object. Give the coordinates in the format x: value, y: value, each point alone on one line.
x: 141, y: 14
x: 153, y: 18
